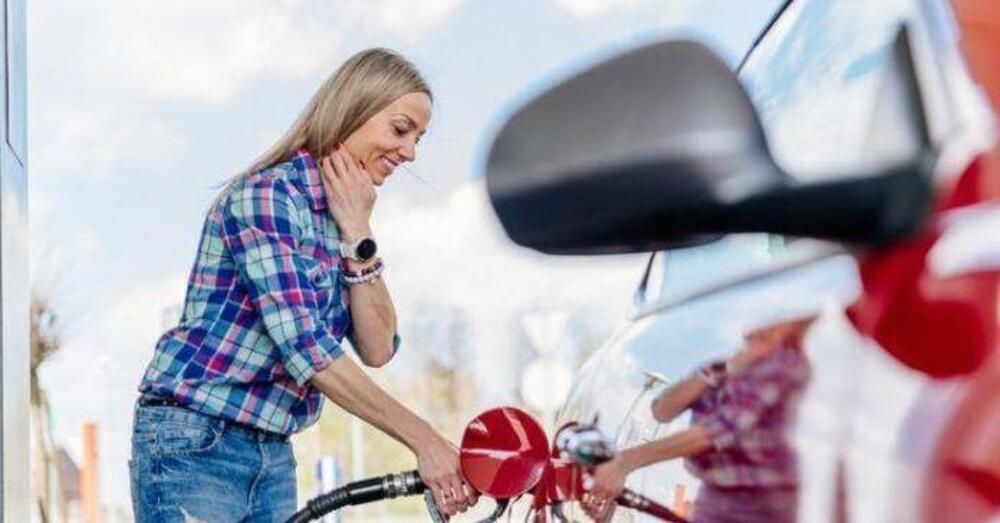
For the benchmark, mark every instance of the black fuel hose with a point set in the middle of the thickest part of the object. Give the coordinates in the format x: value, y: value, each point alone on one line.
x: 361, y: 492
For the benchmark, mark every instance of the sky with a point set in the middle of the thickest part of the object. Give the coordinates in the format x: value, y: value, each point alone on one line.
x: 138, y: 110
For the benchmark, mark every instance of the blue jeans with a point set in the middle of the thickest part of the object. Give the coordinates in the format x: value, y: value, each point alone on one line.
x: 190, y: 467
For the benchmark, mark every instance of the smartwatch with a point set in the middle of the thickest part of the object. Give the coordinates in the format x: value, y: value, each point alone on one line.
x: 362, y: 250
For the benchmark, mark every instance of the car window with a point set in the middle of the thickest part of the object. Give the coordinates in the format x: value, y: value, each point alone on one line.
x: 675, y: 274
x: 815, y: 80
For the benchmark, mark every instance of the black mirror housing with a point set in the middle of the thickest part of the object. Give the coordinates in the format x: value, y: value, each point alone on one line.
x: 661, y: 147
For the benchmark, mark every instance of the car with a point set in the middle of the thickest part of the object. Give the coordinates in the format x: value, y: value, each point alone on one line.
x: 836, y: 173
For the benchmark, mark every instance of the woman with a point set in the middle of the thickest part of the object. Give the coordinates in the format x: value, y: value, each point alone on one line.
x: 286, y: 268
x: 737, y: 443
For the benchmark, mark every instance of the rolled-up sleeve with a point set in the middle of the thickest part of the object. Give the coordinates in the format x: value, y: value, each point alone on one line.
x: 261, y: 229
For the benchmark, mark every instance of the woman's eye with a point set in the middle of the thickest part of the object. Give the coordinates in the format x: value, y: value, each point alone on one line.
x: 400, y: 131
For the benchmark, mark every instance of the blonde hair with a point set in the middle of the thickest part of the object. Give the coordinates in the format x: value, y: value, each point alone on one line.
x: 361, y: 87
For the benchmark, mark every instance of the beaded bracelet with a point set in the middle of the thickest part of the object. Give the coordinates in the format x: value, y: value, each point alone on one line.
x: 368, y: 275
x: 377, y: 266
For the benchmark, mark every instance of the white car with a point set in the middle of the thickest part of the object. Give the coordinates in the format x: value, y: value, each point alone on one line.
x: 825, y: 178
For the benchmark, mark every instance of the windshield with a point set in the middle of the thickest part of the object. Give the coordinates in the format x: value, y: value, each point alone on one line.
x: 676, y: 274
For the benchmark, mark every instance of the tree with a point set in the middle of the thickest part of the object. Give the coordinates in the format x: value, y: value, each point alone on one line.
x: 44, y: 342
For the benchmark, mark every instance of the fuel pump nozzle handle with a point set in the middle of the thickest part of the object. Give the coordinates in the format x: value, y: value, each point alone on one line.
x: 361, y: 492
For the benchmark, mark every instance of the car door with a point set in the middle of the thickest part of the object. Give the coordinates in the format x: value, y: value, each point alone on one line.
x: 670, y: 336
x: 823, y: 82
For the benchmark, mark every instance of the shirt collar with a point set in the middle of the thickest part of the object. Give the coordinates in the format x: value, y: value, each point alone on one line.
x: 309, y: 175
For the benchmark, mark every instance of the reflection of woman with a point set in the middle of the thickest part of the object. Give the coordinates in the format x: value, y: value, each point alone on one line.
x: 286, y: 268
x: 737, y: 443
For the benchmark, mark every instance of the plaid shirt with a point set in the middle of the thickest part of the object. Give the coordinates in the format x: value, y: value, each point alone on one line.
x: 748, y: 417
x: 265, y: 308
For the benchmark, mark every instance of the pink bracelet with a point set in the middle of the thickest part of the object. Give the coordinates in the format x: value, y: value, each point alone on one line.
x: 377, y: 266
x: 368, y: 275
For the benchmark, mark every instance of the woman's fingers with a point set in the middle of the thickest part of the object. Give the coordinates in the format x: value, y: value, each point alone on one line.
x: 471, y: 493
x: 331, y: 182
x: 354, y: 178
x: 605, y: 504
x: 326, y: 168
x: 329, y: 173
x: 334, y: 181
x: 340, y: 164
x: 442, y: 499
x: 597, y: 504
x: 590, y: 505
x: 462, y: 498
x: 354, y: 169
x: 440, y: 469
x: 352, y: 164
x: 453, y: 495
x: 607, y: 510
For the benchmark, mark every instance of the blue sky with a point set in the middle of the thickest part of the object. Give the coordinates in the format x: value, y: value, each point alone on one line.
x: 138, y: 110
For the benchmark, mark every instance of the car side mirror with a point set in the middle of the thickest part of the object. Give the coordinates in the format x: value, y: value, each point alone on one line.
x: 661, y: 147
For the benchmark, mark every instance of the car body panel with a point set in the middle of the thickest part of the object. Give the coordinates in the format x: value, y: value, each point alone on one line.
x: 874, y: 436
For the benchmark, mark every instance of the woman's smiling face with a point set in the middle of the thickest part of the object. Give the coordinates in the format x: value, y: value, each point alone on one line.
x: 390, y: 137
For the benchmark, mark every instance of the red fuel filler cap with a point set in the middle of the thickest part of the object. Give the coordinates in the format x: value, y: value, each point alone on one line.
x: 504, y: 452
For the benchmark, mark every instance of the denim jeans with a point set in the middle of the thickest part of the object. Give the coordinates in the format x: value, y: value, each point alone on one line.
x: 190, y: 467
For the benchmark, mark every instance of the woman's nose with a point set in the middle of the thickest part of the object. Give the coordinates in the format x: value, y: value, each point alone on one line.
x: 408, y: 152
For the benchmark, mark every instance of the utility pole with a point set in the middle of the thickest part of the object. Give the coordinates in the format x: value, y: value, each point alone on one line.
x: 88, y: 475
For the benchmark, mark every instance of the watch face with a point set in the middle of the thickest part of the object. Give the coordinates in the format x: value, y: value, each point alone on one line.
x: 366, y: 249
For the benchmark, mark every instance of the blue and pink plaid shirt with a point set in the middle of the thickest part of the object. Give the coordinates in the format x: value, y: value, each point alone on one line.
x: 747, y: 418
x: 265, y: 308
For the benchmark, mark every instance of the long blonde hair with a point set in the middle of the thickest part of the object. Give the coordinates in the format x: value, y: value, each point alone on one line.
x: 361, y: 87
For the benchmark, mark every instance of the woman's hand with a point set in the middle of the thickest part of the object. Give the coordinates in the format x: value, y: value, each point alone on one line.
x: 350, y: 194
x: 439, y: 467
x: 437, y: 459
x: 608, y: 484
x: 763, y: 341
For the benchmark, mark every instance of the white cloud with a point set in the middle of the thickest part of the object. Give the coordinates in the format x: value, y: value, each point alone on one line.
x: 101, y: 72
x: 454, y: 253
x: 671, y: 13
x: 206, y: 51
x: 591, y: 8
x: 401, y: 18
x: 88, y: 141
